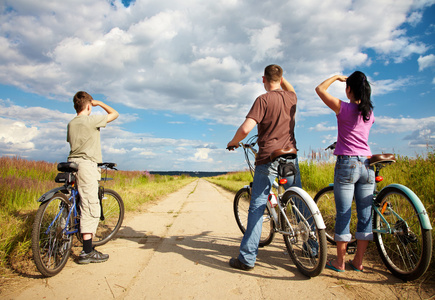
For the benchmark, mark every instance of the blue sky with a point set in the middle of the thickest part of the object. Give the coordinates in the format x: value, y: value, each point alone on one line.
x: 183, y: 75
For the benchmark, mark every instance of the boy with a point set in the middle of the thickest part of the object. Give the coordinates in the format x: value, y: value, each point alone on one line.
x: 83, y: 135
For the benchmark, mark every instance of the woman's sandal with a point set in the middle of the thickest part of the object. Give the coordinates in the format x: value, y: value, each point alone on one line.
x: 330, y: 266
x: 355, y: 268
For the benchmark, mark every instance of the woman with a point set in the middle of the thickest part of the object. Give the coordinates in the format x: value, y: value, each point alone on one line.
x: 352, y: 177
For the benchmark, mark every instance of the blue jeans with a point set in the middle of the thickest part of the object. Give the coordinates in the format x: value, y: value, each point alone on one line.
x: 353, y: 177
x: 264, y: 177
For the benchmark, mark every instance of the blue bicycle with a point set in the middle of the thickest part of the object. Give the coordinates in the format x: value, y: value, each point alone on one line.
x: 401, y: 226
x: 58, y: 219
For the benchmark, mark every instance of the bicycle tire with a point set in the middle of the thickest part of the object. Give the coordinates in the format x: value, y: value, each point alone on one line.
x: 241, y: 208
x: 51, y: 247
x: 407, y: 251
x: 113, y: 211
x: 305, y: 242
x: 325, y: 201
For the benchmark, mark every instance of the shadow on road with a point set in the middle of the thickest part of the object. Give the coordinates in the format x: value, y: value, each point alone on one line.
x: 215, y: 251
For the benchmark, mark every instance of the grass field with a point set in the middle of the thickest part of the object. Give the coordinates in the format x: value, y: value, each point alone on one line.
x: 22, y: 182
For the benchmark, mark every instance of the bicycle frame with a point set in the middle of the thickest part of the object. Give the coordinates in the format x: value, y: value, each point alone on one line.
x: 421, y: 211
x: 278, y: 223
x: 73, y: 210
x: 312, y: 206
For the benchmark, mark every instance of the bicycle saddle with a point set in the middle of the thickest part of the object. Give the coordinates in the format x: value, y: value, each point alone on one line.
x: 382, y: 158
x: 290, y: 153
x: 67, y: 167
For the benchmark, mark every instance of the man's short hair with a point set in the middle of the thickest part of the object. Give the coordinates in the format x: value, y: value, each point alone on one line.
x: 81, y: 99
x: 273, y: 73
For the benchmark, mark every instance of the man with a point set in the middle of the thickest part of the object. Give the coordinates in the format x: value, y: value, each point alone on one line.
x: 274, y: 114
x: 83, y: 135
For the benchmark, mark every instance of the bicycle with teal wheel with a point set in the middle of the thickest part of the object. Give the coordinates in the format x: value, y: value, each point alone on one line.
x: 292, y: 213
x: 401, y: 225
x: 58, y: 219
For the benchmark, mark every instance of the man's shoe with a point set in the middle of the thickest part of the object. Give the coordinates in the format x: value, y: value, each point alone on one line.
x: 237, y: 264
x: 92, y: 257
x: 312, y: 250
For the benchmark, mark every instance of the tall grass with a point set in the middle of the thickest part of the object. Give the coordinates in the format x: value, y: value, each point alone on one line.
x: 22, y: 182
x: 232, y: 181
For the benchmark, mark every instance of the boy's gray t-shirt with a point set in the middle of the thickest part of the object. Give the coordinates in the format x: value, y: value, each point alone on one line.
x: 83, y: 135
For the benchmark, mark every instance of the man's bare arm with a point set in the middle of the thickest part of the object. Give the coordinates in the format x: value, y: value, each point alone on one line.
x: 242, y: 132
x: 286, y: 86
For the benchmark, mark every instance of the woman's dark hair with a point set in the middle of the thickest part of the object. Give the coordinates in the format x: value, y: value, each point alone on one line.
x: 361, y: 90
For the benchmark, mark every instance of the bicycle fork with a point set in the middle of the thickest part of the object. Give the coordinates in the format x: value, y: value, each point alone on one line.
x: 100, y: 197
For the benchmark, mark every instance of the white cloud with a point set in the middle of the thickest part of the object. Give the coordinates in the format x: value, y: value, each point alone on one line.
x: 266, y: 43
x: 427, y: 61
x: 322, y: 127
x: 16, y: 136
x: 164, y: 55
x: 202, y: 154
x: 415, y: 18
x: 399, y: 125
x: 382, y: 87
x: 205, y: 62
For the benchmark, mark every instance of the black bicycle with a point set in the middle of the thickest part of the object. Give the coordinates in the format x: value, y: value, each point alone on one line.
x: 58, y: 219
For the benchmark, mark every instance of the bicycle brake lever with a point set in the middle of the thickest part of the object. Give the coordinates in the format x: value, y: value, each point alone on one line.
x: 332, y: 146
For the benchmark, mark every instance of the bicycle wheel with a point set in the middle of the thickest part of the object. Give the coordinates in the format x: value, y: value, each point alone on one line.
x: 113, y: 213
x: 305, y: 242
x: 51, y: 247
x: 325, y: 201
x: 406, y: 251
x: 241, y: 209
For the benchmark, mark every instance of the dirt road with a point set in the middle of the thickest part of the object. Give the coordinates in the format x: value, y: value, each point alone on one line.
x: 179, y: 248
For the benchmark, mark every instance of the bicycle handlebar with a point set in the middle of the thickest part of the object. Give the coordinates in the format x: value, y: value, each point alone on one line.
x: 108, y: 165
x: 332, y: 146
x: 244, y: 146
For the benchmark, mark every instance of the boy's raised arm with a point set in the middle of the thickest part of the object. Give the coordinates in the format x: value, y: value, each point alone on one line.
x: 112, y: 114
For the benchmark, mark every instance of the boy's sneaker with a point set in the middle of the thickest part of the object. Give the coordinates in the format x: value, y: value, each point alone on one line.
x: 92, y: 257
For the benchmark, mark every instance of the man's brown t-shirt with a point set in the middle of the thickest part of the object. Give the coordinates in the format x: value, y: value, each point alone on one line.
x: 274, y: 113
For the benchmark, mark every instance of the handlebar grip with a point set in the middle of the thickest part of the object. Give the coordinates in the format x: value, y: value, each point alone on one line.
x: 332, y: 146
x: 108, y: 165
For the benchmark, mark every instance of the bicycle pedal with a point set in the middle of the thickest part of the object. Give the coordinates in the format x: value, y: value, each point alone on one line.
x: 351, y: 250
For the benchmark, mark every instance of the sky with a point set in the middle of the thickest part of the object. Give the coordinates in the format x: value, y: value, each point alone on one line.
x: 184, y: 74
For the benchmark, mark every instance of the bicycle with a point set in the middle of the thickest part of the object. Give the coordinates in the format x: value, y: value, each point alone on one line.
x: 58, y: 219
x: 401, y: 226
x: 298, y: 219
